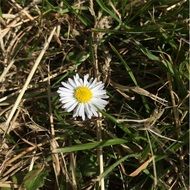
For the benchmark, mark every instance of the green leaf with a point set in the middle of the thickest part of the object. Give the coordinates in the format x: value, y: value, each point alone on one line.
x: 35, y: 178
x: 93, y: 145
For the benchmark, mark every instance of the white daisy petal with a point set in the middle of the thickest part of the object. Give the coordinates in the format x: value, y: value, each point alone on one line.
x: 76, y: 111
x: 98, y: 87
x: 66, y: 99
x: 62, y: 90
x: 88, y: 111
x: 65, y: 92
x: 93, y: 110
x: 86, y: 80
x: 91, y: 79
x: 81, y: 112
x: 71, y: 82
x: 84, y: 96
x: 102, y: 96
x: 68, y: 95
x: 67, y: 85
x: 98, y: 100
x: 69, y: 104
x: 77, y: 82
x: 72, y: 107
x: 98, y: 92
x: 93, y: 83
x: 77, y: 76
x: 81, y: 82
x: 100, y: 103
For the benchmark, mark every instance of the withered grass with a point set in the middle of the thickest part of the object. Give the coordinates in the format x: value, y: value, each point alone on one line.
x: 139, y: 49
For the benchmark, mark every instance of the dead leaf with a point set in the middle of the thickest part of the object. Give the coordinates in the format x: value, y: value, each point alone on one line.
x: 141, y: 168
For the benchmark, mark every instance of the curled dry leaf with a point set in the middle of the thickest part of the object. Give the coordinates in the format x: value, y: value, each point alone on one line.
x: 141, y: 168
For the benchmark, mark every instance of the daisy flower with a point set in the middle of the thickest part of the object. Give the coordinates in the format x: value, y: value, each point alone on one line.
x: 83, y: 96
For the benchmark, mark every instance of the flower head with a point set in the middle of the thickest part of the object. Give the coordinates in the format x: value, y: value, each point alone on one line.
x: 82, y: 96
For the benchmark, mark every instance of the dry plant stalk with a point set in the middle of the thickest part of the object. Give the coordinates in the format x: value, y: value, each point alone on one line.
x: 53, y: 142
x: 100, y: 153
x: 96, y: 40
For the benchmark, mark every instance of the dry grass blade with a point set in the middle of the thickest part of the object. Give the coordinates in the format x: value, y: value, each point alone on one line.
x: 23, y: 11
x: 161, y: 136
x: 175, y: 110
x: 144, y: 92
x: 28, y: 81
x: 100, y: 154
x: 9, y: 162
x: 73, y: 170
x: 53, y: 143
x: 141, y: 168
x: 139, y: 91
x: 2, y: 77
x: 8, y: 185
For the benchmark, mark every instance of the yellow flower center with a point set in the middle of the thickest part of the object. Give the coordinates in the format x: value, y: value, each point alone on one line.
x: 83, y: 94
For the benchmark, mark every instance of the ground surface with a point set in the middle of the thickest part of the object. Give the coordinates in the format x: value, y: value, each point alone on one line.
x: 139, y: 49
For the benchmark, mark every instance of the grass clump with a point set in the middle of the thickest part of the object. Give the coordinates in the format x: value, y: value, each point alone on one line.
x: 139, y: 49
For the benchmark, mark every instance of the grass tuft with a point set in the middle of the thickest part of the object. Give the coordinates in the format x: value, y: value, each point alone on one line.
x: 139, y: 49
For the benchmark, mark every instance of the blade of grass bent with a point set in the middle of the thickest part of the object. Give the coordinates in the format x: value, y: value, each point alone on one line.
x: 71, y: 9
x: 113, y: 166
x: 131, y: 75
x: 125, y: 64
x: 107, y: 10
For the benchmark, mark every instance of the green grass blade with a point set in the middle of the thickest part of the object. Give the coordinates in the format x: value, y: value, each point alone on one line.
x: 35, y: 179
x: 113, y: 166
x: 114, y: 120
x: 125, y: 64
x: 93, y: 145
x: 71, y: 9
x: 107, y: 10
x: 146, y: 52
